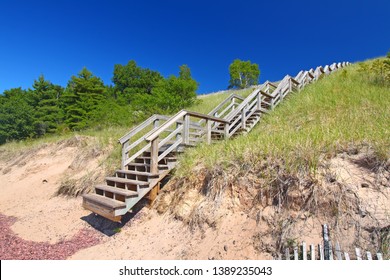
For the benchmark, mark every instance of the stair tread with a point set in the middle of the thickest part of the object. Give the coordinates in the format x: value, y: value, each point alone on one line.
x: 126, y: 193
x: 127, y: 181
x: 104, y: 201
x: 133, y: 172
x: 145, y: 164
x: 146, y: 157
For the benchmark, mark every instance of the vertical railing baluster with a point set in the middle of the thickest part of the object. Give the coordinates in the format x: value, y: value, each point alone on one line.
x: 208, y: 131
x: 186, y: 130
x: 154, y: 156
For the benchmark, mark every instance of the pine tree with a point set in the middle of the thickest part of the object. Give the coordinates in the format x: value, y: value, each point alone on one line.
x: 48, y: 114
x: 82, y: 97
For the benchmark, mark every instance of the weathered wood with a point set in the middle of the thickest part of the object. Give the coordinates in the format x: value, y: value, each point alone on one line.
x: 346, y: 256
x: 296, y: 253
x: 287, y: 253
x: 326, y: 242
x: 304, y: 251
x: 312, y: 252
x: 338, y: 251
x: 358, y: 254
x: 321, y: 252
x: 154, y: 156
x: 208, y: 131
x: 126, y: 181
x: 369, y: 257
x: 152, y: 195
x: 379, y: 256
x: 114, y: 190
x: 331, y: 257
x: 186, y: 129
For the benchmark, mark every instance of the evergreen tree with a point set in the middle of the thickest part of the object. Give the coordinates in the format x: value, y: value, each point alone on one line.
x: 82, y: 97
x: 48, y: 114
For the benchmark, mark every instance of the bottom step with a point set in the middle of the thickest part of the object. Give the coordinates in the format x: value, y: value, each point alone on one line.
x: 103, y: 206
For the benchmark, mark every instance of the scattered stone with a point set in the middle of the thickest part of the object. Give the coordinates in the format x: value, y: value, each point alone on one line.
x: 44, y: 181
x: 225, y: 248
x: 365, y: 185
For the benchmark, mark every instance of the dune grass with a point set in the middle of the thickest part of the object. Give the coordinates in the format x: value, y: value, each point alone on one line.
x: 340, y: 111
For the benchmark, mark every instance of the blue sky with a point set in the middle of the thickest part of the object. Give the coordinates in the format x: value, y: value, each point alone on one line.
x: 58, y: 38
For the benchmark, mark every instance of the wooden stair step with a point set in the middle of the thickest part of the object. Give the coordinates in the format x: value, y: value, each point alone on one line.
x: 103, y: 201
x: 126, y: 181
x: 167, y: 158
x: 125, y: 193
x: 162, y: 166
x: 139, y: 173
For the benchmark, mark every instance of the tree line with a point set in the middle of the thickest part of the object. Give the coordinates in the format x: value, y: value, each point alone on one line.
x: 86, y: 101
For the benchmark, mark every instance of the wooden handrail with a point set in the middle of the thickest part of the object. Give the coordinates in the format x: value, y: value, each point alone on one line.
x: 176, y: 118
x: 141, y: 126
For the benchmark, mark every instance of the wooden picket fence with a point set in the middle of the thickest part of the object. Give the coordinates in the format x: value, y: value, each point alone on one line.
x: 326, y: 251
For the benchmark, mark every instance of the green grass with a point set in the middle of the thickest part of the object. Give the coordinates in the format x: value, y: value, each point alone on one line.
x: 337, y: 112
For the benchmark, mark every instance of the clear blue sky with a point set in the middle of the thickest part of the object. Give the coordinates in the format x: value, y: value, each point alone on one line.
x: 58, y: 38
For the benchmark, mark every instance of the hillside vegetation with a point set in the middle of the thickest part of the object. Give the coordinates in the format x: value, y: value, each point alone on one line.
x: 320, y: 157
x: 342, y: 111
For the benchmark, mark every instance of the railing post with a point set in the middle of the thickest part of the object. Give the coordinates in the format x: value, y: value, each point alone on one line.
x: 124, y: 146
x: 227, y: 130
x: 154, y: 156
x: 156, y: 123
x: 259, y: 101
x: 208, y: 131
x: 186, y: 130
x: 243, y: 118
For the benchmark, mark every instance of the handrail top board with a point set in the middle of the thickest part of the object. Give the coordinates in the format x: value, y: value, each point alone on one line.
x: 141, y: 126
x: 177, y: 117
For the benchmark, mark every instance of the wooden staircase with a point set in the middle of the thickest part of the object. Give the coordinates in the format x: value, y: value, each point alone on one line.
x: 149, y: 151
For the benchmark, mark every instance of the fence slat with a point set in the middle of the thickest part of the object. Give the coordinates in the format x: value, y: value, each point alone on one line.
x: 330, y: 251
x: 296, y: 253
x: 326, y: 242
x: 379, y: 256
x: 338, y: 251
x: 287, y: 254
x: 321, y: 252
x: 369, y: 257
x: 312, y: 252
x: 358, y: 254
x: 346, y: 256
x: 304, y: 252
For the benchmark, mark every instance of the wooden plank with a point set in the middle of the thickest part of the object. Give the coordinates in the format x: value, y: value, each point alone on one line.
x: 346, y: 256
x: 325, y: 235
x: 127, y: 181
x: 154, y: 156
x: 108, y: 203
x: 186, y: 129
x: 304, y: 251
x: 296, y: 253
x: 115, y: 190
x: 331, y: 257
x: 379, y: 256
x: 208, y: 131
x: 152, y: 195
x: 321, y: 252
x: 287, y: 254
x: 369, y: 257
x: 312, y: 252
x: 358, y: 254
x: 338, y: 251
